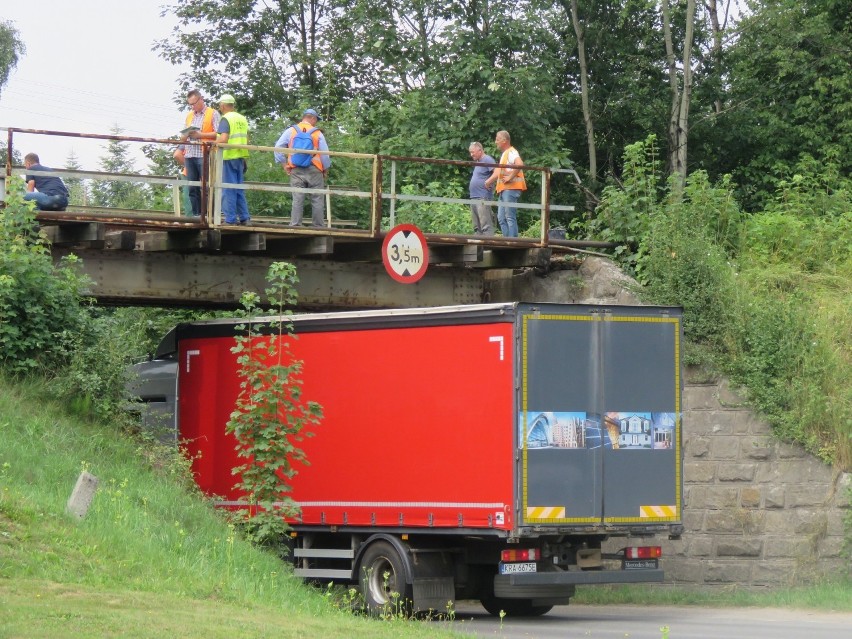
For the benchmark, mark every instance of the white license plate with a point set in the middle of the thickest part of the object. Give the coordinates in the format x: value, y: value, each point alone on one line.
x: 525, y: 566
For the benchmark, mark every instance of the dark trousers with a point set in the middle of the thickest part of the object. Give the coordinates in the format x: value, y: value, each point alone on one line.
x: 193, y: 174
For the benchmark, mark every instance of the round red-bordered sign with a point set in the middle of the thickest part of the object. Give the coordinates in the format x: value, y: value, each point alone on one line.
x: 405, y: 253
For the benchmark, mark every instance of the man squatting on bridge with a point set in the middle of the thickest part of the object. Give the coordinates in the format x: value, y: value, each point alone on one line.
x: 306, y: 171
x: 47, y: 191
x: 480, y: 211
x: 233, y: 129
x: 205, y: 121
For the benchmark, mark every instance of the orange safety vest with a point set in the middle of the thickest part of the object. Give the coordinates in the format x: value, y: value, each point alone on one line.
x: 207, y: 123
x: 517, y: 183
x: 315, y: 159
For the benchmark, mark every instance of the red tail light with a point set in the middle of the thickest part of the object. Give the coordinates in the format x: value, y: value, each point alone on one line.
x: 528, y: 554
x: 643, y: 552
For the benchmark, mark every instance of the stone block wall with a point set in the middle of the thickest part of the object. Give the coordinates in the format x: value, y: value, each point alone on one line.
x: 757, y: 511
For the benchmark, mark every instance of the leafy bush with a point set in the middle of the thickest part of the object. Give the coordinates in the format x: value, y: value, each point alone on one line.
x: 42, y: 317
x: 435, y: 217
x: 765, y: 297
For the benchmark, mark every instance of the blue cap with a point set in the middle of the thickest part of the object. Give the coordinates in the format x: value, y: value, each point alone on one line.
x: 313, y: 113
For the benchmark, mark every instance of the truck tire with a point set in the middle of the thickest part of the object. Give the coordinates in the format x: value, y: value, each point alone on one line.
x: 513, y: 607
x: 383, y: 581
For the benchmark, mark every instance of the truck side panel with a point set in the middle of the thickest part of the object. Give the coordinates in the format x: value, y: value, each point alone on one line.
x: 416, y: 429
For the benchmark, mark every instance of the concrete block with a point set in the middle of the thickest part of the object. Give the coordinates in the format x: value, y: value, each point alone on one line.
x: 729, y: 396
x: 700, y: 546
x: 700, y: 398
x: 680, y: 570
x: 807, y: 496
x: 722, y: 521
x: 736, y: 472
x: 724, y: 447
x: 750, y: 498
x: 693, y: 520
x: 699, y: 472
x: 739, y: 547
x: 785, y: 547
x: 796, y: 522
x: 756, y: 447
x: 774, y: 497
x: 720, y: 498
x: 774, y: 573
x: 728, y: 571
x: 835, y: 524
x: 82, y: 495
x: 831, y: 547
x: 698, y: 447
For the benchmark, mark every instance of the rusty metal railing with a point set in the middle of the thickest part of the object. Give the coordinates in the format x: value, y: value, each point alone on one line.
x: 212, y: 185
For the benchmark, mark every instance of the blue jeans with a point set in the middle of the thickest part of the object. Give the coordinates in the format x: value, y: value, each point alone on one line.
x: 193, y: 174
x: 507, y: 215
x: 45, y: 202
x: 234, y: 205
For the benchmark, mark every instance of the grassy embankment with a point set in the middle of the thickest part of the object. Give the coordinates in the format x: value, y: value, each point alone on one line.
x: 150, y: 559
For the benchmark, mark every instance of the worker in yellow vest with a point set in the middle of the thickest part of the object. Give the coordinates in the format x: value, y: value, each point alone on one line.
x: 233, y: 129
x: 510, y: 184
x: 201, y: 124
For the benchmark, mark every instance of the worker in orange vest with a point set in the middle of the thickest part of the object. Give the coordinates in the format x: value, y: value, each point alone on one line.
x: 510, y: 184
x: 201, y: 124
x: 306, y: 170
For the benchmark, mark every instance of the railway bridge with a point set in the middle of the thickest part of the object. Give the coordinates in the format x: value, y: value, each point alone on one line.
x: 162, y: 256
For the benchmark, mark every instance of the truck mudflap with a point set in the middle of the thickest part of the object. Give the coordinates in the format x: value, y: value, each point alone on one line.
x: 520, y: 585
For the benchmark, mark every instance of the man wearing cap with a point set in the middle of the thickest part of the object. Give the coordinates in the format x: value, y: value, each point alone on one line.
x: 311, y: 176
x: 204, y: 122
x: 233, y: 129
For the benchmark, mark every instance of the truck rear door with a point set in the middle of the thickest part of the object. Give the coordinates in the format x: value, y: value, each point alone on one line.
x: 599, y: 415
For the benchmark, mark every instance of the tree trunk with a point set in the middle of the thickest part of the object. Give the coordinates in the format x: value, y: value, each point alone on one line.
x: 679, y: 116
x: 686, y: 94
x: 674, y: 87
x: 587, y: 111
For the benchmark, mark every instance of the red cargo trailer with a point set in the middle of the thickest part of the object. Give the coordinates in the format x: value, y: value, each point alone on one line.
x: 480, y: 451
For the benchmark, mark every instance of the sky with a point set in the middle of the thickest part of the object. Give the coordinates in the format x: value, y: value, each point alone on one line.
x: 89, y: 66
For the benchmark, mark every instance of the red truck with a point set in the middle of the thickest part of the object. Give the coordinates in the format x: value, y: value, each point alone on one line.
x: 467, y: 452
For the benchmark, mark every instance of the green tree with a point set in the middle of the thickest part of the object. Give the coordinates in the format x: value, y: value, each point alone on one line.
x: 790, y: 93
x: 162, y: 163
x: 78, y: 190
x: 115, y: 193
x: 11, y: 50
x: 271, y: 416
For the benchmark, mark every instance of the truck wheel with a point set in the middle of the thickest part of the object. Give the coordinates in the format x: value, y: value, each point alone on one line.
x: 513, y: 607
x: 383, y: 581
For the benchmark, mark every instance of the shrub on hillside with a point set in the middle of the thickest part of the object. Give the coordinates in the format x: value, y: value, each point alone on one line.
x: 41, y: 304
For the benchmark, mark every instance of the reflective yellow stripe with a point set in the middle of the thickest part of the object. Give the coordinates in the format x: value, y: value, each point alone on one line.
x: 657, y: 511
x: 545, y: 512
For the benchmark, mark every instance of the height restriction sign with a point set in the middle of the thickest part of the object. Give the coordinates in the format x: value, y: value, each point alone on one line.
x: 405, y: 254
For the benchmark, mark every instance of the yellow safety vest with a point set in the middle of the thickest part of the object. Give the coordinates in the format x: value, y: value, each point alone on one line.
x: 238, y: 135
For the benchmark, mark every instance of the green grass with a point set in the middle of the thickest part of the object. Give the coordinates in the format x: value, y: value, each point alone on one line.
x: 150, y: 557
